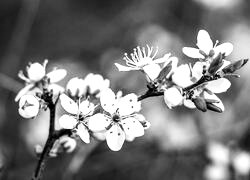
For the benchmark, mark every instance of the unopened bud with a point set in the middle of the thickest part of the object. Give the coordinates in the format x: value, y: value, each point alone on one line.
x: 200, y: 103
x: 173, y: 97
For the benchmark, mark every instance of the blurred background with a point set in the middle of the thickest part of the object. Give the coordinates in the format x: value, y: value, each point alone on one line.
x: 85, y: 36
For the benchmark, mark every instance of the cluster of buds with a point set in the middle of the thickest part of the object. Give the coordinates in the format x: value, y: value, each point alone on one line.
x: 92, y: 109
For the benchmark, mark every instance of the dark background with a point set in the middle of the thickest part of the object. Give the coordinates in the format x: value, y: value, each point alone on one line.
x: 85, y: 36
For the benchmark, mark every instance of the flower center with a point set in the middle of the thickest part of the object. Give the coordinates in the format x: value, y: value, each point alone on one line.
x: 116, y: 118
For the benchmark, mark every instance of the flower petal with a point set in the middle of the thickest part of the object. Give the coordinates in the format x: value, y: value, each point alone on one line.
x: 173, y: 97
x: 108, y: 101
x: 115, y: 137
x: 226, y: 48
x: 23, y: 91
x: 188, y: 103
x: 128, y: 104
x: 219, y: 85
x: 152, y: 70
x: 86, y: 107
x: 56, y: 75
x: 83, y: 133
x: 132, y: 127
x: 192, y: 52
x: 68, y: 104
x: 197, y: 70
x: 125, y: 68
x: 164, y: 59
x: 98, y: 122
x: 182, y: 76
x: 67, y: 121
x: 204, y: 41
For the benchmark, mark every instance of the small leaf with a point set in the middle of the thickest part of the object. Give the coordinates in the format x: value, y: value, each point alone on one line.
x: 200, y: 103
x: 164, y: 72
x: 234, y: 66
x: 214, y: 108
x: 215, y: 64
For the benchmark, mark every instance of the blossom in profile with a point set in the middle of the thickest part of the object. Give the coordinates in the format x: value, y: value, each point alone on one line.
x: 76, y: 87
x: 206, y: 48
x: 36, y: 73
x: 120, y: 119
x: 143, y: 59
x: 76, y: 119
x: 28, y: 106
x: 95, y: 84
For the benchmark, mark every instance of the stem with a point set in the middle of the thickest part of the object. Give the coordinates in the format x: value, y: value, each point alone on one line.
x: 48, y: 145
x: 148, y: 94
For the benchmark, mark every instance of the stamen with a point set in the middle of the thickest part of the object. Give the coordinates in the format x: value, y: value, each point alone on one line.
x: 156, y: 51
x: 21, y: 76
x: 216, y: 42
x: 139, y: 52
x: 45, y: 63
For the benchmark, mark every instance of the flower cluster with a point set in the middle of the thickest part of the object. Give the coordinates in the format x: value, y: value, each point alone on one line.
x: 194, y: 86
x: 92, y: 108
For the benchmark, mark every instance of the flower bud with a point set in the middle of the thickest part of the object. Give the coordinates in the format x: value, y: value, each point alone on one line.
x: 76, y: 87
x: 28, y: 106
x: 173, y: 97
x: 68, y: 143
x: 36, y: 71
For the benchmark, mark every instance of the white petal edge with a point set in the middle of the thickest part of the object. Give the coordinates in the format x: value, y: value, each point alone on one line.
x: 83, y: 133
x: 115, y: 137
x: 226, y: 48
x: 67, y: 121
x: 56, y: 75
x: 68, y: 104
x: 192, y: 52
x: 129, y: 104
x: 132, y: 127
x: 125, y: 68
x: 98, y: 122
x: 108, y: 100
x: 204, y: 41
x: 219, y: 85
x: 23, y: 91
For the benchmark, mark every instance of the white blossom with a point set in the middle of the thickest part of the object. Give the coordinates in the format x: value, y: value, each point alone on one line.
x: 120, y: 119
x: 77, y: 117
x: 28, y: 106
x: 241, y: 163
x: 206, y: 47
x: 36, y: 72
x: 143, y: 59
